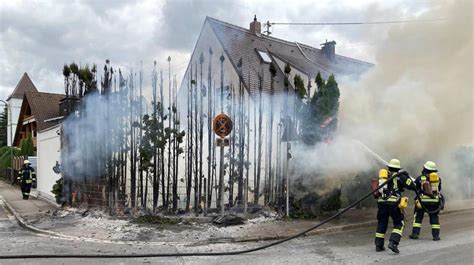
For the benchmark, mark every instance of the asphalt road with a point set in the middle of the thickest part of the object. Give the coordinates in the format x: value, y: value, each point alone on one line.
x: 348, y: 247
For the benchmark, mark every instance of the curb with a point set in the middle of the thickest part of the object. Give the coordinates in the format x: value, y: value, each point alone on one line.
x: 23, y: 223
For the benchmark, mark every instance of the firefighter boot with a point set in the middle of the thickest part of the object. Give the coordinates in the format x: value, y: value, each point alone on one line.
x: 379, y: 248
x: 414, y: 236
x: 393, y: 246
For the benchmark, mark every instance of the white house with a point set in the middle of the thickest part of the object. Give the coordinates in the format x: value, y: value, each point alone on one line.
x: 237, y: 60
x: 49, y: 153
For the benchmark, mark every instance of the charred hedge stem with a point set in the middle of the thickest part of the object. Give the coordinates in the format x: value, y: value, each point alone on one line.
x: 209, y: 132
x: 201, y: 124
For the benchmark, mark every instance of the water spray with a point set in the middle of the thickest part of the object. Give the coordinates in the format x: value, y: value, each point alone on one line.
x: 370, y: 151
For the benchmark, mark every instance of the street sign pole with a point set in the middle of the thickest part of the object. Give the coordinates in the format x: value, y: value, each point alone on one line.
x: 221, y: 175
x: 222, y: 126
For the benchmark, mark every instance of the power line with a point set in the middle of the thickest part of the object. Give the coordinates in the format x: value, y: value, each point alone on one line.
x: 355, y: 23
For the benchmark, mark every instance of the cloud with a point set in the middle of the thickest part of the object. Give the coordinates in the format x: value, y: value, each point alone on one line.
x: 182, y: 21
x: 39, y: 37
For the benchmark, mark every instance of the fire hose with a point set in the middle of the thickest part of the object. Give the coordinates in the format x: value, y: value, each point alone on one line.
x: 189, y: 254
x: 440, y: 207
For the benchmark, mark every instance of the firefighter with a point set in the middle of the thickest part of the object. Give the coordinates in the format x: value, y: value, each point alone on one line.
x: 428, y: 185
x: 391, y: 203
x: 27, y: 176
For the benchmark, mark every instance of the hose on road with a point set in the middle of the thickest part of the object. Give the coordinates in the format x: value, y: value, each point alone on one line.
x: 189, y: 254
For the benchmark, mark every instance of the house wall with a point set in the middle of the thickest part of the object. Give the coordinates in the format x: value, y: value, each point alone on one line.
x: 49, y: 151
x: 231, y: 79
x: 15, y: 105
x: 206, y: 40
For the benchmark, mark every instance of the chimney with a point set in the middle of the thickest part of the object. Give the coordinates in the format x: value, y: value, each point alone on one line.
x: 329, y: 49
x: 255, y: 26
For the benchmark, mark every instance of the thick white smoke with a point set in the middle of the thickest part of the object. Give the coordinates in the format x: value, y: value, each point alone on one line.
x: 84, y: 153
x: 415, y: 104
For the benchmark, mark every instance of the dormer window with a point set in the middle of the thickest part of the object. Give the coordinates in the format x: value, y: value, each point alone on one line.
x: 264, y: 56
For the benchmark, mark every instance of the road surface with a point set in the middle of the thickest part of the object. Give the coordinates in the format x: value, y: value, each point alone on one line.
x: 348, y: 247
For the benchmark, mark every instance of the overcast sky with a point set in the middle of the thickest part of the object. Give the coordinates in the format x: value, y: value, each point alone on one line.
x: 38, y: 37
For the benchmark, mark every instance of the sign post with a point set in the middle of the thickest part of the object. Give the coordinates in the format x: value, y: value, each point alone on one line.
x: 222, y: 126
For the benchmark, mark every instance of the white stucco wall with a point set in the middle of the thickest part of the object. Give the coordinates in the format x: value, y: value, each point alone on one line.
x: 49, y: 146
x: 231, y: 77
x: 15, y: 105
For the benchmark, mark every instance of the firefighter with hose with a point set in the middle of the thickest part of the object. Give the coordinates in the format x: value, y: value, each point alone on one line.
x: 428, y: 185
x: 27, y: 176
x: 391, y: 204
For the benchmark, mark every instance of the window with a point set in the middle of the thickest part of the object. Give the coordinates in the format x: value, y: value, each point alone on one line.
x: 264, y: 56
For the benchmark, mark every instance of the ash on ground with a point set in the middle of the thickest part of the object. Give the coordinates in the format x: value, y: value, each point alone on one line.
x: 97, y: 224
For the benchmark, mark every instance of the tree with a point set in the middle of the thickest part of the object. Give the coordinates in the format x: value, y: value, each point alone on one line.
x: 299, y: 86
x: 4, y: 127
x: 27, y: 147
x: 328, y: 98
x: 321, y: 111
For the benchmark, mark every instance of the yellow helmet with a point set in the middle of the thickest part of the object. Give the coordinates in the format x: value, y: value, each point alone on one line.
x: 430, y: 165
x: 394, y: 163
x: 26, y: 162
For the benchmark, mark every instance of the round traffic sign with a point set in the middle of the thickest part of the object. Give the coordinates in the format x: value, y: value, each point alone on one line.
x: 222, y: 125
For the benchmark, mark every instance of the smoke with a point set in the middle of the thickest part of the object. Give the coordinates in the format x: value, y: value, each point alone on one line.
x: 418, y: 99
x: 415, y: 104
x: 84, y: 134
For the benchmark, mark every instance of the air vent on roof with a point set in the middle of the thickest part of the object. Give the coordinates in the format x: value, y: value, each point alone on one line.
x: 264, y: 56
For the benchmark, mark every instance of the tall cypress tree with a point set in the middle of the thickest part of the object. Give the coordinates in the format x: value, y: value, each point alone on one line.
x: 4, y: 127
x: 321, y: 111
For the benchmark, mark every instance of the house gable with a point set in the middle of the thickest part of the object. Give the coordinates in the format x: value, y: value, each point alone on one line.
x: 35, y: 109
x: 25, y: 84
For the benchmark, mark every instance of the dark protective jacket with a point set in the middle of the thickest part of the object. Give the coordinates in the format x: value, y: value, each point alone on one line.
x: 27, y: 175
x: 435, y: 197
x: 392, y: 192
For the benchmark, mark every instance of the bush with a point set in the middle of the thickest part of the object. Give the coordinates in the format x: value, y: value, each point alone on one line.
x: 312, y: 204
x: 356, y: 188
x: 27, y: 146
x: 58, y: 190
x: 5, y: 156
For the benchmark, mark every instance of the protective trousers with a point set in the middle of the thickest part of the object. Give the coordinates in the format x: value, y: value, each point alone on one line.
x: 434, y: 219
x: 25, y: 189
x: 385, y: 211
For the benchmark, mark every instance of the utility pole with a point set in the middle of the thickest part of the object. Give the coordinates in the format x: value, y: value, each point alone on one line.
x: 9, y: 109
x: 267, y: 26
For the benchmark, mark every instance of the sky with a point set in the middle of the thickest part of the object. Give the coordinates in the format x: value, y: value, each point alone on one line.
x: 39, y: 37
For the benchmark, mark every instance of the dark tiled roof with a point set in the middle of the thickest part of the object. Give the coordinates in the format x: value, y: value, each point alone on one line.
x: 240, y: 43
x: 25, y: 84
x: 43, y: 106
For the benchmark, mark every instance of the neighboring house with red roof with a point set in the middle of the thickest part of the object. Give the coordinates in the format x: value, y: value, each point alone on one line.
x: 38, y: 114
x: 39, y: 111
x: 15, y: 100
